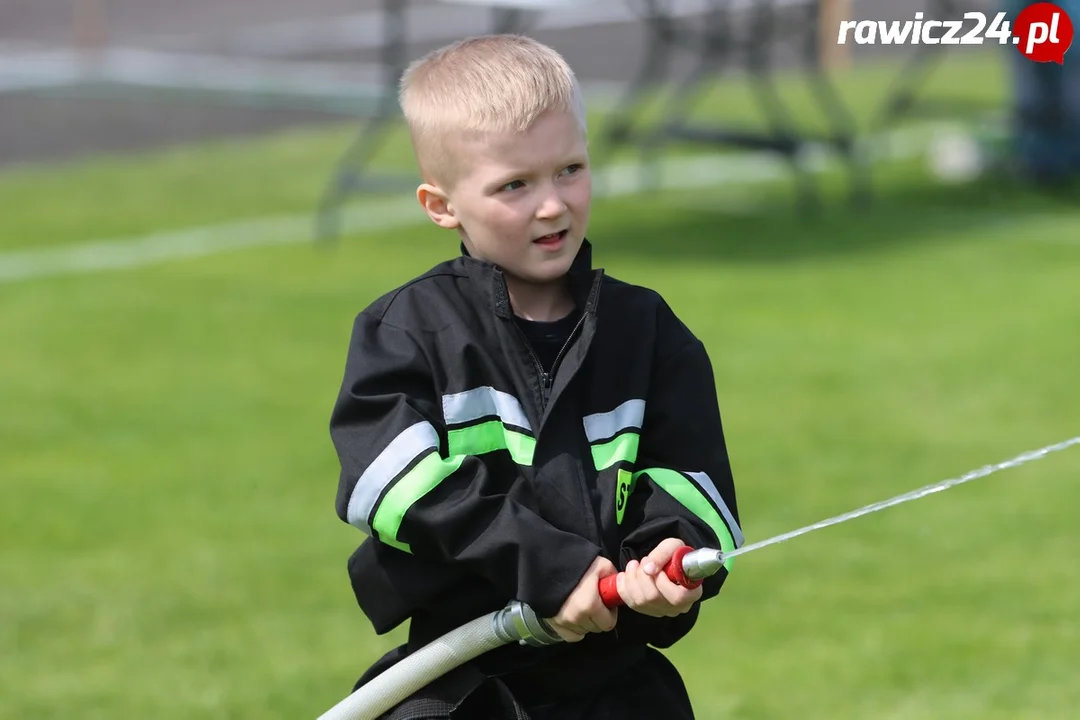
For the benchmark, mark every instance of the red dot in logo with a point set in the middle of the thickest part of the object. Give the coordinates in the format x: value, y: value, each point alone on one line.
x: 1045, y: 32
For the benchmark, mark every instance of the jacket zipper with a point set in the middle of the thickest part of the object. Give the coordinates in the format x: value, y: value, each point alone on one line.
x: 544, y: 380
x: 547, y: 380
x: 558, y: 358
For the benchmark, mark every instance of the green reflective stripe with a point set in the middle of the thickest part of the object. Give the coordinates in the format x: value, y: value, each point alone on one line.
x: 684, y: 490
x: 422, y: 441
x: 622, y: 449
x: 489, y: 437
x: 412, y: 443
x: 414, y: 485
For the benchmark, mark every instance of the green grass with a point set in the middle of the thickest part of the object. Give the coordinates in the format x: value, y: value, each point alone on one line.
x: 168, y: 544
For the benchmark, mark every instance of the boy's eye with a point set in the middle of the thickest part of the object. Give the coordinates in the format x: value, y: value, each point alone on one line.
x: 513, y: 185
x: 572, y: 169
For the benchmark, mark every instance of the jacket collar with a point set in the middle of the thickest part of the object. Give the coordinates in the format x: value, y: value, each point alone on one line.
x: 490, y: 281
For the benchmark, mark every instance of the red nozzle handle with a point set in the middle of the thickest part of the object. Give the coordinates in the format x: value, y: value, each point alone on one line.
x: 609, y: 592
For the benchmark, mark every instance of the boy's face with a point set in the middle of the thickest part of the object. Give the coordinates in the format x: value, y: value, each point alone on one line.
x: 521, y: 201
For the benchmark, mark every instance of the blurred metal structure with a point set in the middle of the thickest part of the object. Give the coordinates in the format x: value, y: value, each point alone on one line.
x: 904, y: 99
x: 718, y: 45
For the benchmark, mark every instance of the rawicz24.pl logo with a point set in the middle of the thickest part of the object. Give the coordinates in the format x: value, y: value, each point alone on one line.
x: 1042, y: 32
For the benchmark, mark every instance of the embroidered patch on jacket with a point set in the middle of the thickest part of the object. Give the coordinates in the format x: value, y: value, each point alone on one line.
x: 623, y: 489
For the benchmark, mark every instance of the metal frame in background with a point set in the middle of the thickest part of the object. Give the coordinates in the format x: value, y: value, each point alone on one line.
x: 903, y: 100
x: 718, y: 47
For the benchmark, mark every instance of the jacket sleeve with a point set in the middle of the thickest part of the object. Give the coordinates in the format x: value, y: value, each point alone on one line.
x: 399, y: 485
x: 682, y: 486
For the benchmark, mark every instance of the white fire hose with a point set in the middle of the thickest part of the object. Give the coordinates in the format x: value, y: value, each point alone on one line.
x: 517, y: 622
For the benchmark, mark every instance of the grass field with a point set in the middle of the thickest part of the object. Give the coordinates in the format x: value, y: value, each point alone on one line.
x: 168, y: 543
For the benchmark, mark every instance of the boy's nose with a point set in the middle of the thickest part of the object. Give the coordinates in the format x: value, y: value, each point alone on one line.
x: 552, y: 206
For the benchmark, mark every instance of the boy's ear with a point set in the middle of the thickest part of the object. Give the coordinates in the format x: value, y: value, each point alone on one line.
x: 437, y: 205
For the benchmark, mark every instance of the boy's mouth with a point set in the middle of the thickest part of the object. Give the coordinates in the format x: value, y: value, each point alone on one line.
x: 552, y: 239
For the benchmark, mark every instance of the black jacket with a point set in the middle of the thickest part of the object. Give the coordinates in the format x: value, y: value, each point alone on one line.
x: 481, y: 479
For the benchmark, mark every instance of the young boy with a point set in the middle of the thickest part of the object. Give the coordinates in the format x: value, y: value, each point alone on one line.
x: 515, y: 424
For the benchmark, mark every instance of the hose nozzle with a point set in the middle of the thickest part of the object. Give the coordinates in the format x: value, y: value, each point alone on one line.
x: 700, y: 564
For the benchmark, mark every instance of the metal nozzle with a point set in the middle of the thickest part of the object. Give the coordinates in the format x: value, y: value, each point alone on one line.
x: 702, y: 563
x: 517, y: 622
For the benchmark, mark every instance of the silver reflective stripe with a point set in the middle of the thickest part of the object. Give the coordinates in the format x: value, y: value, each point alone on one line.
x: 603, y: 426
x: 402, y: 450
x: 705, y: 482
x: 483, y: 402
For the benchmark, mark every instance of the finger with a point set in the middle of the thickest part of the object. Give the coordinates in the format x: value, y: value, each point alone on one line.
x: 634, y: 590
x: 606, y: 619
x: 601, y: 619
x: 677, y: 595
x: 671, y: 596
x: 662, y: 553
x: 666, y: 548
x: 595, y: 624
x: 621, y: 587
x: 694, y: 595
x: 604, y: 567
x: 647, y: 596
x: 590, y: 617
x: 568, y: 635
x: 649, y: 593
x: 571, y: 620
x: 625, y: 583
x: 567, y: 631
x: 669, y: 590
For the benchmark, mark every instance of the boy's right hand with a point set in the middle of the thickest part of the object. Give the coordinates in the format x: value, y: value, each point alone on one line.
x: 584, y: 611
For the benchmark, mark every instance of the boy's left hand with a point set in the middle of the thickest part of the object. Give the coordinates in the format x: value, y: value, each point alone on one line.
x: 645, y: 587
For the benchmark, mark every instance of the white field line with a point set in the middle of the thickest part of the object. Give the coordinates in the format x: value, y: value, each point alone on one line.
x: 159, y: 247
x: 617, y: 180
x: 150, y: 68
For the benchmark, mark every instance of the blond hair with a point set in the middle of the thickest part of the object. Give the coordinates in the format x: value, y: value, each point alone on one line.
x: 487, y: 84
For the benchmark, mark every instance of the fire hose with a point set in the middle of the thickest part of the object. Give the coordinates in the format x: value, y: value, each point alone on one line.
x: 514, y: 623
x: 517, y: 623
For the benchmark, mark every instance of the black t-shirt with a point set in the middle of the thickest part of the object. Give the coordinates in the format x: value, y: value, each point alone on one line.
x: 548, y: 338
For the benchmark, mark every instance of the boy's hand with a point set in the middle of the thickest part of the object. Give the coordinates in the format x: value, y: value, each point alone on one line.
x: 645, y: 587
x: 584, y: 611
